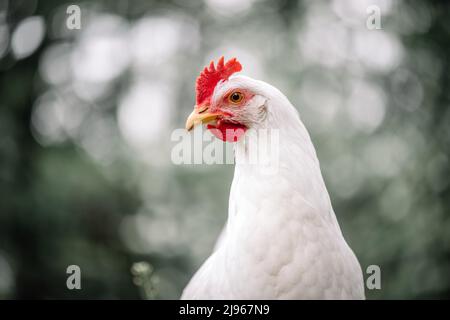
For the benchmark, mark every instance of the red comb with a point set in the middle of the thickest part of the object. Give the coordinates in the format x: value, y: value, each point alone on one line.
x: 209, y: 77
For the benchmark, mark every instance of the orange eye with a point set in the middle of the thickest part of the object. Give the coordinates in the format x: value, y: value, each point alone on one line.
x: 235, y: 97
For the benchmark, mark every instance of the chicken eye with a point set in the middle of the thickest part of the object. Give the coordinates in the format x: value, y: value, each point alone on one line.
x: 235, y: 97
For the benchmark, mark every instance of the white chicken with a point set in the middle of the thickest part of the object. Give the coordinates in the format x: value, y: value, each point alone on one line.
x: 282, y: 239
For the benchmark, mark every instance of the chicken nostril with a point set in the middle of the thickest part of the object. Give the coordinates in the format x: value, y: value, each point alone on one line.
x: 202, y: 111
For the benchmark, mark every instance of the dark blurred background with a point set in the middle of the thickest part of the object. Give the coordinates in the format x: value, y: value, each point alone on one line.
x: 86, y: 117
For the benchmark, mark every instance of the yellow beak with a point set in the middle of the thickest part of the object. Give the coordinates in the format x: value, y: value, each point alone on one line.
x: 199, y: 116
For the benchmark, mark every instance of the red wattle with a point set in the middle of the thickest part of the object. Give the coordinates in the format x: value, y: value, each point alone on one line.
x: 227, y: 131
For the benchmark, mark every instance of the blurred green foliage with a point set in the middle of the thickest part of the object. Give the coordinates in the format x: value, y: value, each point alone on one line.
x: 86, y: 117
